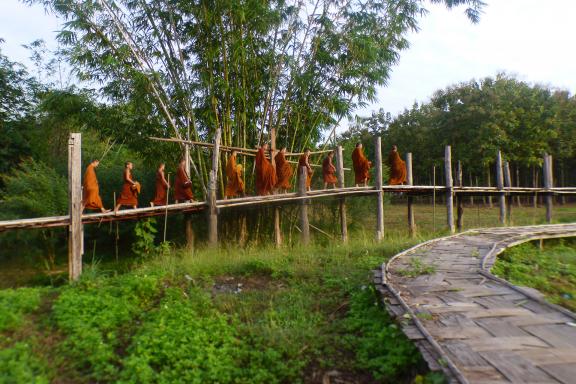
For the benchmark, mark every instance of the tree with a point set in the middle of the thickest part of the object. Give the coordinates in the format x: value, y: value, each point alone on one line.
x: 241, y: 67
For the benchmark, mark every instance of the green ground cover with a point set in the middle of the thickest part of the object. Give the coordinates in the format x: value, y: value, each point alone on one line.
x: 551, y: 270
x: 223, y: 316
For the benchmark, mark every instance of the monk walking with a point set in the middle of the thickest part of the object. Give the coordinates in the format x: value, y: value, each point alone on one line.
x: 304, y: 161
x: 130, y: 189
x: 182, y: 184
x: 234, y: 182
x: 265, y: 173
x: 329, y: 171
x: 283, y: 171
x: 397, y: 167
x: 361, y: 166
x: 161, y: 187
x: 90, y: 190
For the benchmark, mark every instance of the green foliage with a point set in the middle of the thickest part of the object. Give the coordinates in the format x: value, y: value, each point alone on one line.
x: 94, y: 316
x: 144, y: 232
x: 15, y: 303
x: 19, y: 365
x: 417, y: 268
x: 552, y: 271
x: 379, y: 344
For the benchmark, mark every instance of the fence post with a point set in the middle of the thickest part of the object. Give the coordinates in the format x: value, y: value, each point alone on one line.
x: 380, y: 193
x: 410, y: 181
x: 76, y: 231
x: 459, y: 198
x: 213, y: 186
x: 548, y: 184
x: 500, y: 186
x: 449, y: 190
x: 277, y: 225
x: 341, y: 184
x: 302, y: 191
x: 508, y: 184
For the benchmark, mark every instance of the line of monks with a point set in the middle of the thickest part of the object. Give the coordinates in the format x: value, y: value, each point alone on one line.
x: 270, y: 178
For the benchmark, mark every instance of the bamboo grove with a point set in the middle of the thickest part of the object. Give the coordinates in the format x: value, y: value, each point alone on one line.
x: 240, y: 67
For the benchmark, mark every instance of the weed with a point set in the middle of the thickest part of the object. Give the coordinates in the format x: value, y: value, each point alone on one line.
x: 417, y: 268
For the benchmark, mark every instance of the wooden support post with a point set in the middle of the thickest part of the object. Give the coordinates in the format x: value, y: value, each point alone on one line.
x: 548, y: 183
x: 212, y: 189
x: 76, y: 231
x: 508, y: 184
x: 449, y: 185
x: 302, y: 191
x: 277, y: 225
x: 189, y: 230
x: 410, y: 181
x: 341, y: 184
x: 500, y: 186
x: 434, y: 198
x: 459, y: 199
x: 378, y: 186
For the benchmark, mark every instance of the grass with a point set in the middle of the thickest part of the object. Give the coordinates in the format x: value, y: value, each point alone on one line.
x: 293, y: 315
x: 551, y: 270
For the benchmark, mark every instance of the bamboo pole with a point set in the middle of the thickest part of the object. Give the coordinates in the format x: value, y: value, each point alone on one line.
x: 378, y: 185
x: 302, y: 191
x: 500, y: 186
x: 434, y: 198
x: 213, y: 186
x: 277, y: 224
x: 548, y: 184
x: 76, y: 231
x: 410, y: 181
x: 508, y: 184
x: 449, y: 187
x: 341, y: 184
x: 166, y: 207
x: 459, y: 198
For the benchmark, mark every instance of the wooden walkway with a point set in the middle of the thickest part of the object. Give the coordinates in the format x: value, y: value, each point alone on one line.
x: 476, y: 327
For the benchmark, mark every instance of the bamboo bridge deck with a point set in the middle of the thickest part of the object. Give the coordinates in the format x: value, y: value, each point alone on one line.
x: 474, y: 326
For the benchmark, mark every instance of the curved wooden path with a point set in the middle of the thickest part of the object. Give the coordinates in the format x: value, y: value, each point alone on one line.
x: 476, y: 327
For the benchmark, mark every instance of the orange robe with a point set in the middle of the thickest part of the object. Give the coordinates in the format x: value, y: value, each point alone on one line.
x: 303, y: 163
x: 265, y: 174
x: 161, y: 189
x: 234, y: 182
x: 91, y: 191
x: 129, y: 194
x: 397, y: 169
x: 182, y: 186
x: 361, y: 166
x: 283, y: 171
x: 329, y: 171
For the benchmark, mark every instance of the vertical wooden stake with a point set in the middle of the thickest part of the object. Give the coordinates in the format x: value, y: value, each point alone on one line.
x: 449, y: 190
x: 189, y: 229
x: 459, y: 198
x: 302, y: 191
x: 434, y: 198
x: 341, y: 184
x: 410, y: 181
x: 508, y: 184
x: 548, y: 183
x: 489, y: 179
x: 212, y: 188
x: 277, y: 226
x: 500, y: 186
x: 76, y: 231
x: 380, y: 193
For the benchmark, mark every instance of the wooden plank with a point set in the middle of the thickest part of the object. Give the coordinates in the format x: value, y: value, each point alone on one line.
x: 516, y: 368
x: 498, y: 312
x: 500, y: 327
x: 456, y: 332
x: 463, y: 355
x: 486, y: 374
x: 550, y: 355
x: 565, y: 373
x: 510, y: 343
x: 538, y: 319
x: 558, y: 335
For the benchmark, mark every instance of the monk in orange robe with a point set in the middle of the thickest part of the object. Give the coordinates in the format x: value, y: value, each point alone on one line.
x: 329, y: 171
x: 304, y: 161
x: 361, y: 166
x: 90, y: 190
x: 182, y: 184
x: 283, y: 171
x: 130, y: 189
x: 234, y: 182
x: 161, y: 187
x: 265, y: 173
x: 397, y: 167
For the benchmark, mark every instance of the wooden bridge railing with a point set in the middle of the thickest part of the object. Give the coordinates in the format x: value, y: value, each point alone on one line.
x: 75, y: 219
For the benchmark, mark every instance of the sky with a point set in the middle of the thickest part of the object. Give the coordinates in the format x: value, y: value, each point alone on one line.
x: 531, y: 39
